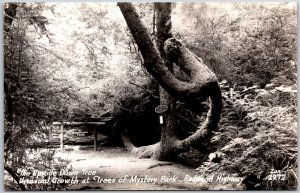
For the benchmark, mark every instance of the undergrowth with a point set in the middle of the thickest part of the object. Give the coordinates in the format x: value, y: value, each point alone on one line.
x: 258, y: 133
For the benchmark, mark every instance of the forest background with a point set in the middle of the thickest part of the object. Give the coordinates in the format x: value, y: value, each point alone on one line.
x: 68, y: 62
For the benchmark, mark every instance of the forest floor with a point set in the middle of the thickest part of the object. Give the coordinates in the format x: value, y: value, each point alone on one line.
x: 255, y: 136
x: 113, y: 164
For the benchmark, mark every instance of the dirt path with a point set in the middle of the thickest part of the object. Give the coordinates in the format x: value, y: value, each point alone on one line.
x: 112, y: 166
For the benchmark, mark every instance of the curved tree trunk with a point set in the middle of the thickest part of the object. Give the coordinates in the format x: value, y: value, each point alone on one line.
x: 202, y: 84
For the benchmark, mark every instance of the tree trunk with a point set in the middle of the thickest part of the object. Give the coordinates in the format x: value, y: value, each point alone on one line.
x: 201, y: 85
x: 10, y: 11
x: 168, y: 128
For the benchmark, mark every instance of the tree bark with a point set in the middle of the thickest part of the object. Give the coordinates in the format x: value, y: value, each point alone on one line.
x: 201, y: 85
x: 168, y: 128
x: 10, y: 12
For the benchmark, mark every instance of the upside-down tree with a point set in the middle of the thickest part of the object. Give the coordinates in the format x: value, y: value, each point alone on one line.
x: 201, y: 84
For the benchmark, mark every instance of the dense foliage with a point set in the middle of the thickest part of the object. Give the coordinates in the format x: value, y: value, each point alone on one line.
x: 65, y: 62
x: 256, y: 136
x: 244, y: 43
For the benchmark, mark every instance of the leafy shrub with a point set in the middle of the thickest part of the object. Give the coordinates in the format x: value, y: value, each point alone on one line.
x: 268, y: 140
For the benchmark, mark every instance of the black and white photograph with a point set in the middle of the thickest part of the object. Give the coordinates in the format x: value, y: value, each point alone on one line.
x: 149, y: 96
